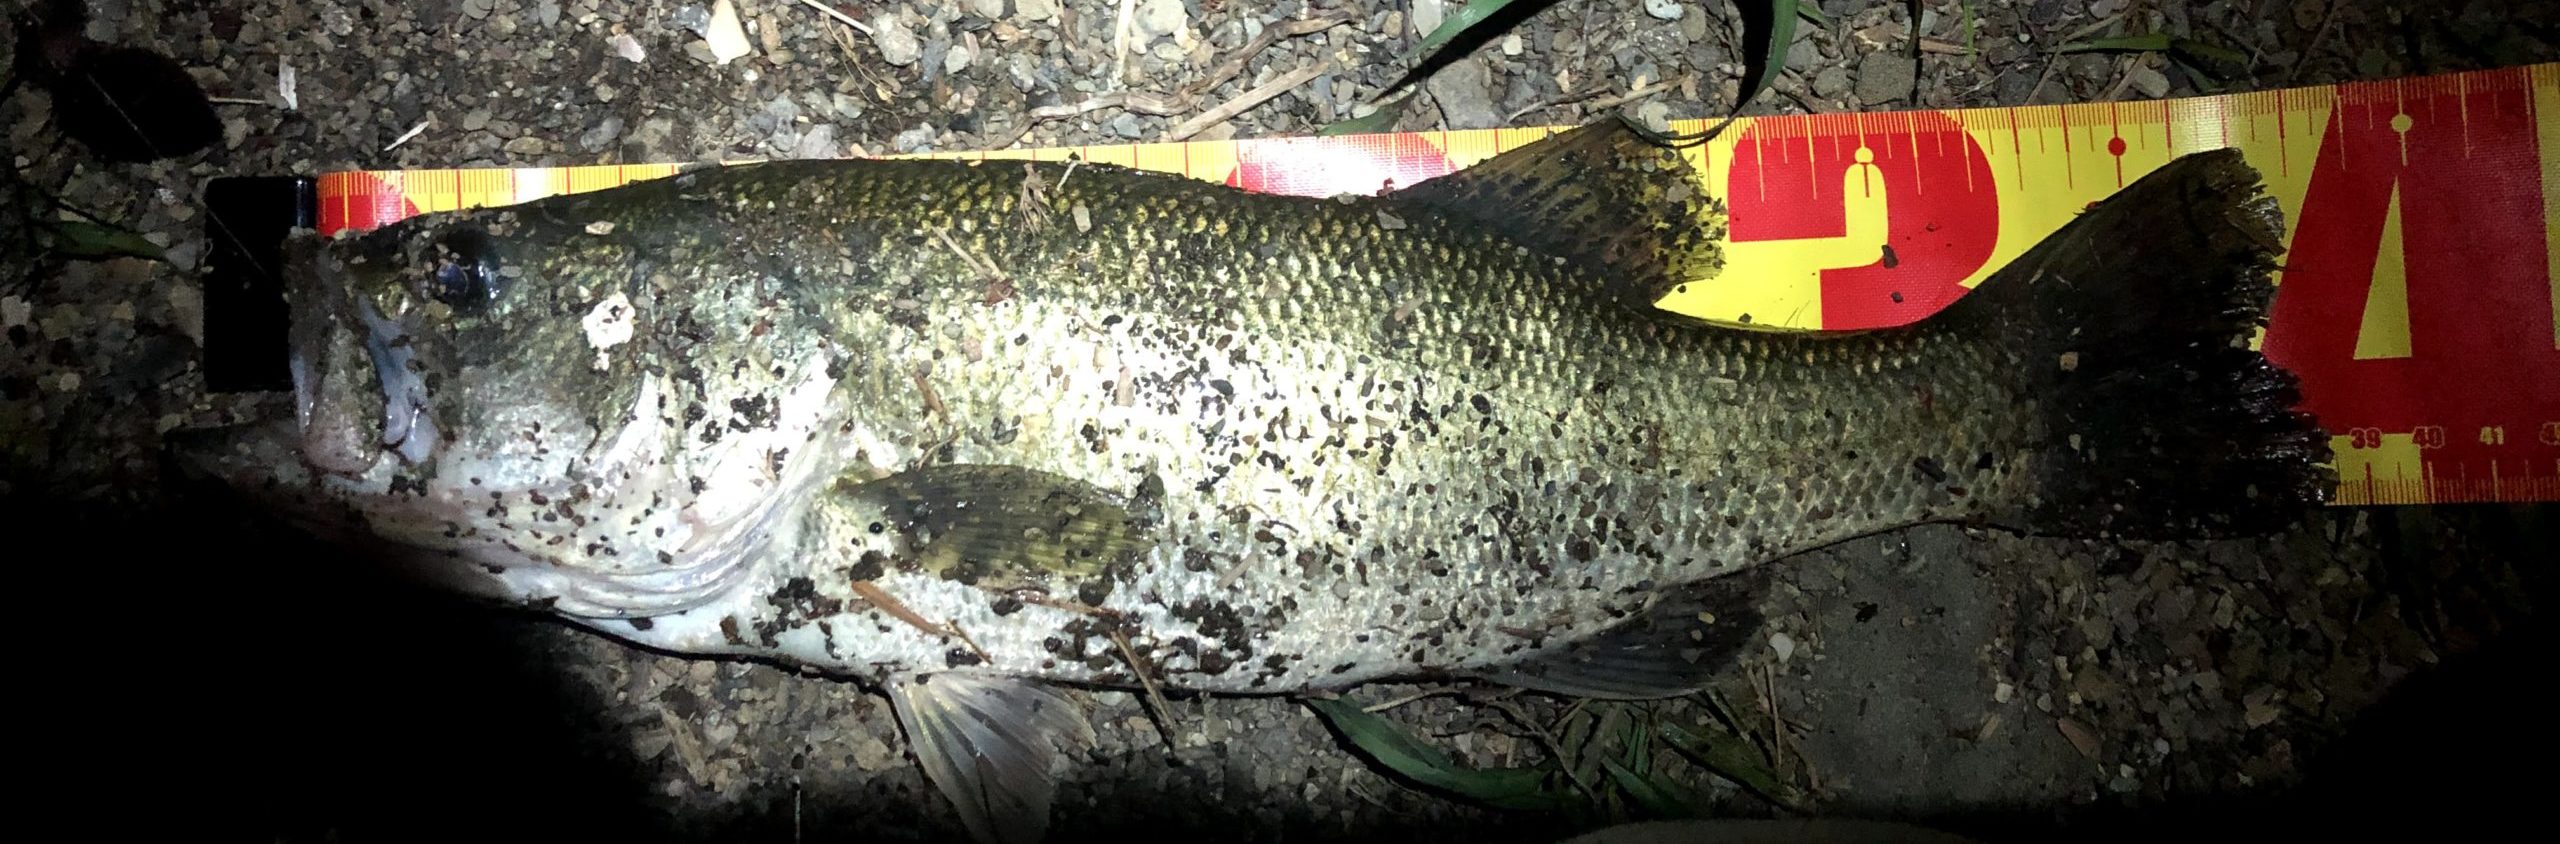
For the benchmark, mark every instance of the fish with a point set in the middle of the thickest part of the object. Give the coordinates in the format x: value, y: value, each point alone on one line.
x: 980, y: 434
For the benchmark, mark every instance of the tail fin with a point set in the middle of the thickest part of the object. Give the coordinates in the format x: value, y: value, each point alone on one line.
x: 2131, y: 329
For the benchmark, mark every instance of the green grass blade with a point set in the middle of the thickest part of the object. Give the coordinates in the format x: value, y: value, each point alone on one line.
x: 1458, y: 22
x: 1399, y: 751
x: 89, y: 241
x: 1380, y: 120
x: 1657, y: 797
x: 2152, y: 43
x: 1734, y: 759
x: 1765, y: 53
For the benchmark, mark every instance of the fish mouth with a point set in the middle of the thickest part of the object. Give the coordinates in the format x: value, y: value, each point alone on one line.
x: 357, y: 393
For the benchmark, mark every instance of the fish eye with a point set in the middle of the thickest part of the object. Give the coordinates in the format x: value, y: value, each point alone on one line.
x: 463, y: 270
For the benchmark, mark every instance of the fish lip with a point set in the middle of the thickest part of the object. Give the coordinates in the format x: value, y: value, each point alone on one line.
x: 408, y: 422
x: 329, y: 323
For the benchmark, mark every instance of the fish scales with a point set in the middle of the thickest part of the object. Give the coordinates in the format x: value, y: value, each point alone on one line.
x: 1391, y: 445
x: 962, y: 429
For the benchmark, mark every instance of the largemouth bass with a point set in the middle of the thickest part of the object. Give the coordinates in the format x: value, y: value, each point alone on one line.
x: 974, y: 431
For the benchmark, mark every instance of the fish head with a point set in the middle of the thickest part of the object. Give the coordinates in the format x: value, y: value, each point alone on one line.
x: 452, y: 341
x: 469, y: 389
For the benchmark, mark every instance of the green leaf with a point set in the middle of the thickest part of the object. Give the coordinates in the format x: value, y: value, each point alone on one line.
x: 1734, y: 759
x: 1380, y: 120
x: 1966, y: 8
x: 2207, y: 51
x: 1765, y: 53
x: 1639, y: 742
x: 1458, y: 22
x: 1659, y: 798
x: 2151, y: 43
x: 1812, y: 12
x: 84, y: 240
x: 1389, y: 745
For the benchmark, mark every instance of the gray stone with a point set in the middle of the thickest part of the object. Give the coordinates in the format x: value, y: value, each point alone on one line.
x: 783, y: 109
x: 1465, y: 96
x: 1655, y: 115
x: 818, y: 142
x: 1831, y: 82
x: 1427, y: 15
x: 1032, y: 11
x: 913, y: 140
x: 602, y: 136
x: 1669, y: 10
x: 184, y: 256
x: 1803, y: 53
x: 897, y: 43
x: 2148, y: 81
x: 1024, y: 70
x: 1159, y: 18
x: 1884, y: 77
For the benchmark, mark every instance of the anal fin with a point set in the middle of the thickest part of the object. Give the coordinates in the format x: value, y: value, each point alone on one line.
x: 987, y: 742
x: 1673, y: 646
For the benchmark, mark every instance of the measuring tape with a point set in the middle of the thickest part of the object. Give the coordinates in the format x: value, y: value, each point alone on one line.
x: 2419, y: 300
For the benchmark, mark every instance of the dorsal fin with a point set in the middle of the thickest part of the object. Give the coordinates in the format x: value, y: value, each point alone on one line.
x: 1607, y: 195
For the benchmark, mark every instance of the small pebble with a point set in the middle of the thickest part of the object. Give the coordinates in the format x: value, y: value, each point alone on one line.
x: 898, y: 44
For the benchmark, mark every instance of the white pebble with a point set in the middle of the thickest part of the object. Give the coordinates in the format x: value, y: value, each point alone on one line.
x: 629, y: 48
x: 725, y: 36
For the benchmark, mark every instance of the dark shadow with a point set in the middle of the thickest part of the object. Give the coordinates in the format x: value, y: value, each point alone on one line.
x: 204, y: 676
x: 2456, y: 752
x: 199, y: 670
x: 1484, y: 32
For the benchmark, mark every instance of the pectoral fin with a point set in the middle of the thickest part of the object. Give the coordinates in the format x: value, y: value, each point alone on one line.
x: 996, y: 526
x: 987, y: 742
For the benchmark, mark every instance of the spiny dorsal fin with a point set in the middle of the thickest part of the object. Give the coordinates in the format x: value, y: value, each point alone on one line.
x: 1606, y: 195
x: 987, y: 741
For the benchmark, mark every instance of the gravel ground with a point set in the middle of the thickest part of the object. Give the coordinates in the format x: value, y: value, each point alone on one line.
x: 197, y: 670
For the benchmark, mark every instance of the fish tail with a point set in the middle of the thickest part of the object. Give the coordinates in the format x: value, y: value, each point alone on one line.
x: 2131, y: 332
